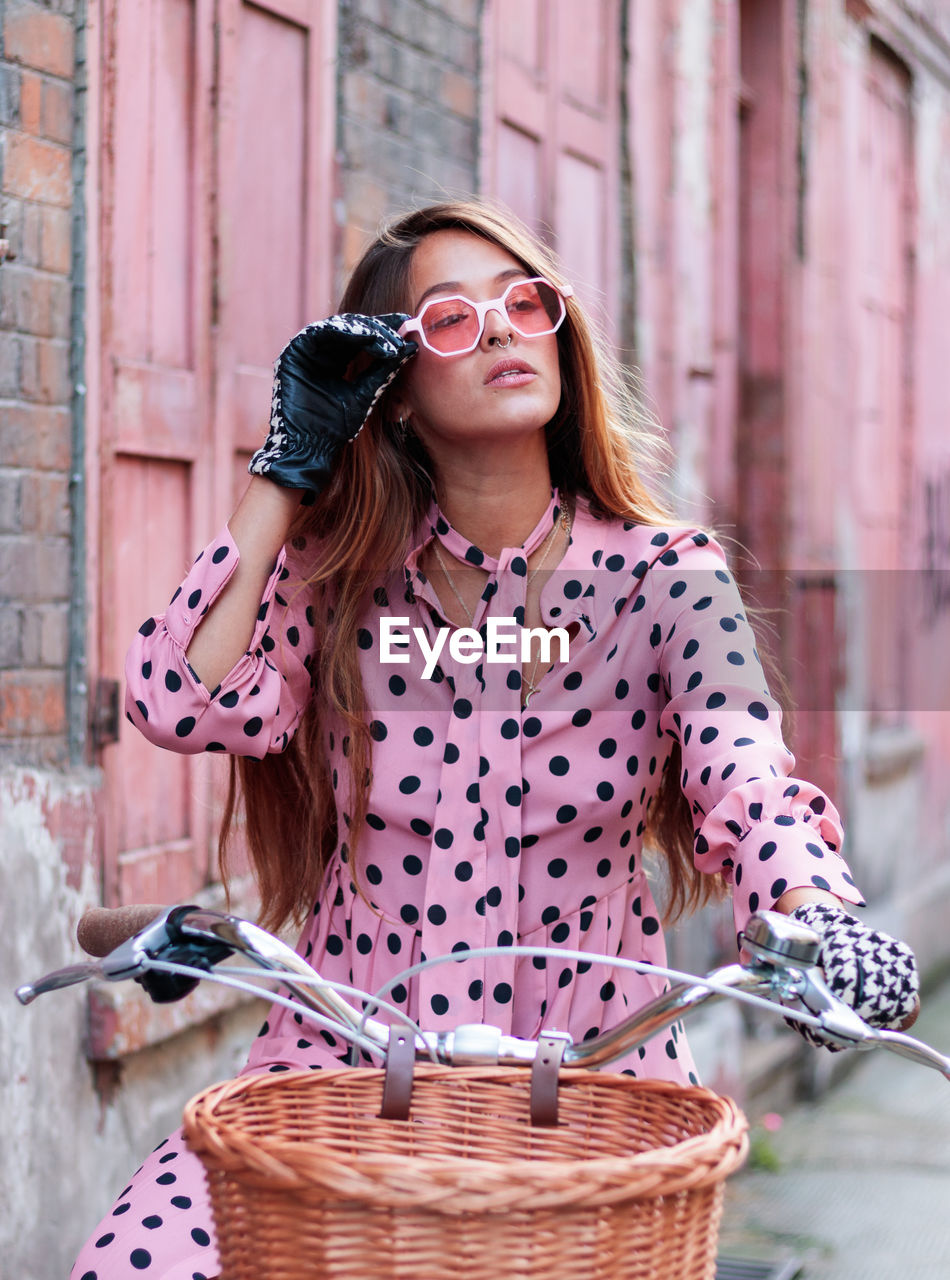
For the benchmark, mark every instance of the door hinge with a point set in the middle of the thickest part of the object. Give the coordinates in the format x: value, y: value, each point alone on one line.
x: 104, y: 725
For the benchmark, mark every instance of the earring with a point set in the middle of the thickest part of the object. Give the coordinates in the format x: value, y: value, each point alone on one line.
x: 402, y: 427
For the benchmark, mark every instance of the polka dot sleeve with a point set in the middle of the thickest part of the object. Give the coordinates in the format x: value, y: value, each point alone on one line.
x: 765, y: 830
x: 258, y: 705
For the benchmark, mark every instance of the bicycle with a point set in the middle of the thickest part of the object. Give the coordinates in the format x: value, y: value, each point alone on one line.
x: 510, y: 1156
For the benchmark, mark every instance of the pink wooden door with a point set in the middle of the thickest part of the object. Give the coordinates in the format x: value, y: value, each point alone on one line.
x: 211, y: 181
x: 882, y: 439
x: 551, y: 148
x: 155, y: 157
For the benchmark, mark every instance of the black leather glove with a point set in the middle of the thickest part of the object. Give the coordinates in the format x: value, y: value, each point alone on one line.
x: 326, y: 381
x: 870, y: 971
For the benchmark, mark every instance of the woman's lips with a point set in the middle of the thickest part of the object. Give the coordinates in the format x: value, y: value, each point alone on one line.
x: 509, y: 373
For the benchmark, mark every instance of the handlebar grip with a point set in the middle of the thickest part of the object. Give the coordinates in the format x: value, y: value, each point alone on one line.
x: 102, y: 929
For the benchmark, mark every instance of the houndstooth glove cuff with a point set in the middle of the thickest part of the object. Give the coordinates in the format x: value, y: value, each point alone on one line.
x: 873, y: 973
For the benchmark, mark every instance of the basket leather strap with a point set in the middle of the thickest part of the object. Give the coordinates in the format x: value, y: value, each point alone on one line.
x: 397, y: 1084
x: 544, y: 1079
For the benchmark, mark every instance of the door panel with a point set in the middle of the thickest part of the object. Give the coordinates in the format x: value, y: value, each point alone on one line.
x: 275, y: 229
x: 551, y: 146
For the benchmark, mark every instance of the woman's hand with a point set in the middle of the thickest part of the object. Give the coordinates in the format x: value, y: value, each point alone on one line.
x: 869, y: 970
x: 326, y: 381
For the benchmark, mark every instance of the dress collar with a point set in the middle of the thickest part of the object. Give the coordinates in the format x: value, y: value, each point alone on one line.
x: 436, y: 525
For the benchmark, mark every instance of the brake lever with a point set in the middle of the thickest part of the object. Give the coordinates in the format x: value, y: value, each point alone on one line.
x: 131, y: 958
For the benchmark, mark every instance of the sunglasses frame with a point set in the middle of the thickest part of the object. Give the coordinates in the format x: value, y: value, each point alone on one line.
x: 481, y: 310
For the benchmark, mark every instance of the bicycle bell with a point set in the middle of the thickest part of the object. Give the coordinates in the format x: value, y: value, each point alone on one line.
x: 775, y: 939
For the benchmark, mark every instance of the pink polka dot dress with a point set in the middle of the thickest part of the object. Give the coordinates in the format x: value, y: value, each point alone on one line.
x: 490, y: 824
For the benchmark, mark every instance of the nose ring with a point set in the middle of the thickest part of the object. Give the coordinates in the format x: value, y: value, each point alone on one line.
x: 497, y: 342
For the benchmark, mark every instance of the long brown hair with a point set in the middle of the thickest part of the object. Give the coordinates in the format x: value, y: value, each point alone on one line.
x: 600, y: 446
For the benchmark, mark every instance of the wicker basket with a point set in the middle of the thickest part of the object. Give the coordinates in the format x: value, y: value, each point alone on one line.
x: 306, y: 1181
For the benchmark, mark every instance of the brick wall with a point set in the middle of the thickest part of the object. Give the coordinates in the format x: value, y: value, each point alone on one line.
x: 37, y: 60
x: 408, y: 108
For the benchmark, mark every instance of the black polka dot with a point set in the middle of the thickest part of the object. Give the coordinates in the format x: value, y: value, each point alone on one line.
x: 502, y: 993
x: 140, y: 1259
x: 422, y: 736
x: 759, y: 710
x: 184, y: 726
x: 557, y: 867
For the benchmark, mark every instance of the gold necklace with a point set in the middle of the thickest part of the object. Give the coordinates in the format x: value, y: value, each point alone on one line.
x: 564, y: 522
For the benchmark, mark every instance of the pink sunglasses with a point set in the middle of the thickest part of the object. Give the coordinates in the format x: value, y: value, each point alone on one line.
x: 454, y: 326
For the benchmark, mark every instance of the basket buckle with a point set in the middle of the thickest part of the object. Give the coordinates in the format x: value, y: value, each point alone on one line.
x: 545, y: 1072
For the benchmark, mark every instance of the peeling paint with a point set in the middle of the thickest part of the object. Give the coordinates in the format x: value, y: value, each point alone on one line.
x: 72, y: 1134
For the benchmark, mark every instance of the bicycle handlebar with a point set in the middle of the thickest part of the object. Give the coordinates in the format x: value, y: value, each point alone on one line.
x: 179, y: 946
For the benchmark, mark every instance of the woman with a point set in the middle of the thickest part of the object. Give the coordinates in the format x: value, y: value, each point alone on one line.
x: 468, y: 664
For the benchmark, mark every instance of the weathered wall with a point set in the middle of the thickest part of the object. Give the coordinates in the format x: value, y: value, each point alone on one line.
x: 73, y: 1132
x: 868, y: 305
x: 36, y: 113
